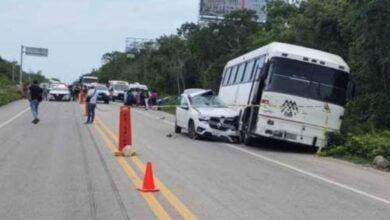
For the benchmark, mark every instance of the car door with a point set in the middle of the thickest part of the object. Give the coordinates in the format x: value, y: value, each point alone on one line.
x: 182, y: 112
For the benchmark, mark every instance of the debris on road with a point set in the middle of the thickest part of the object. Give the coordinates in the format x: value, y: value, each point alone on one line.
x: 127, y: 152
x: 170, y: 135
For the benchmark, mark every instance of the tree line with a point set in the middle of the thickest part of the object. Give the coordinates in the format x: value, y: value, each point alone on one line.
x: 9, y: 73
x: 358, y: 31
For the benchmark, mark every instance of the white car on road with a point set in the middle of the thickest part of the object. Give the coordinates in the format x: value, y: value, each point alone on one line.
x: 201, y: 113
x: 59, y: 93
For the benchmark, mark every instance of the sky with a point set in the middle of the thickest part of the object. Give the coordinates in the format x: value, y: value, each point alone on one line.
x: 78, y: 32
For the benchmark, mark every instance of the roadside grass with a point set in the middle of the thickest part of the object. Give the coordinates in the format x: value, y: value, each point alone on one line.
x: 8, y: 94
x: 360, y: 148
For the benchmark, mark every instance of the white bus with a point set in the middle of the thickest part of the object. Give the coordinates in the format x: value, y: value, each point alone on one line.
x: 286, y: 92
x: 88, y: 80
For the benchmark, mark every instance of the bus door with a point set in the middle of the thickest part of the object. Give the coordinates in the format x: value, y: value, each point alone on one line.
x: 257, y: 91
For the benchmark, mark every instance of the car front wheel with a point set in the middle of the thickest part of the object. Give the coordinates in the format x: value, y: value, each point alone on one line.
x: 191, y: 130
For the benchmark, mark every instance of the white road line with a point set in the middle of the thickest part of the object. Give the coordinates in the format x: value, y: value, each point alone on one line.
x: 312, y: 175
x: 315, y: 176
x: 13, y: 118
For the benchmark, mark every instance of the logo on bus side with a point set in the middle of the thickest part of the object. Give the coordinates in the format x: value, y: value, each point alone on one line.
x: 289, y: 108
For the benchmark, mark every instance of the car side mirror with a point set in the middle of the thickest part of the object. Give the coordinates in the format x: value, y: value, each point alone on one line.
x: 185, y: 107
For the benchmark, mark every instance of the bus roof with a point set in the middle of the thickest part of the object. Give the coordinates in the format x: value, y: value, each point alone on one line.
x: 277, y: 49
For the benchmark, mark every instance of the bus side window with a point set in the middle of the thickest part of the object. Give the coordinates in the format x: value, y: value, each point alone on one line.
x: 240, y: 73
x: 253, y: 72
x: 248, y: 71
x: 260, y: 64
x: 233, y: 75
x: 227, y: 76
x: 223, y: 76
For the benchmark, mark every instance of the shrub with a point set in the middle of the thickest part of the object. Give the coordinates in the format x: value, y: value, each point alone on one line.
x: 363, y: 147
x: 8, y: 92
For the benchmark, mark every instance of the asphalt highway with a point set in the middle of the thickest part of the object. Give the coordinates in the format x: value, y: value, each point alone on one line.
x: 64, y: 169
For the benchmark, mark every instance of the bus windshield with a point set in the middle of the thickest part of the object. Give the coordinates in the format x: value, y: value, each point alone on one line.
x: 89, y: 80
x: 120, y: 87
x: 308, y: 80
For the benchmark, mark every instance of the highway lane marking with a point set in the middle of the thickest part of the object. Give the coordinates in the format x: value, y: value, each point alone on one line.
x: 172, y: 199
x: 13, y: 118
x: 315, y: 176
x: 296, y: 169
x: 151, y: 200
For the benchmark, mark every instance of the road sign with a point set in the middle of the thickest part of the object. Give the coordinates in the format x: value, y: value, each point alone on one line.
x: 34, y: 51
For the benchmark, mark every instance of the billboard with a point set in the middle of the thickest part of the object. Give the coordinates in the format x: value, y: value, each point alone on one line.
x: 216, y: 9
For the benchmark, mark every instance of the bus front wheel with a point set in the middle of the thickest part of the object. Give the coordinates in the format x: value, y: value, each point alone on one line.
x: 246, y: 139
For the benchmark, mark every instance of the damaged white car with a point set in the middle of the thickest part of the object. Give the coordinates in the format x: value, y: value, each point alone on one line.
x: 203, y: 114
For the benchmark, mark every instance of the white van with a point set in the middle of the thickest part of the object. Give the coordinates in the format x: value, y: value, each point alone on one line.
x: 287, y: 92
x: 117, y: 89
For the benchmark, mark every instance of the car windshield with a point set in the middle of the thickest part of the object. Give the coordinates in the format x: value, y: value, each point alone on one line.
x: 101, y: 88
x: 207, y: 100
x: 308, y: 80
x: 120, y: 87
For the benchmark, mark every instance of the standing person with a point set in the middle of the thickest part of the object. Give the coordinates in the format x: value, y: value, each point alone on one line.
x: 145, y: 99
x: 25, y: 90
x: 45, y: 92
x: 129, y: 100
x: 153, y: 98
x: 135, y: 95
x: 91, y: 102
x: 35, y: 98
x: 70, y: 88
x: 76, y: 93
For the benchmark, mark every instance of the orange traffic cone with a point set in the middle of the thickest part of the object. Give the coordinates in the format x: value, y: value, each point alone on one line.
x: 148, y: 185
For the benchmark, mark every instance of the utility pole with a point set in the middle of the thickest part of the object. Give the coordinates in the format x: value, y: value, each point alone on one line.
x: 21, y: 65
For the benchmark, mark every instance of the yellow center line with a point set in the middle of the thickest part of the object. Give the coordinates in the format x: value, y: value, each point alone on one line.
x: 173, y: 200
x: 151, y: 200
